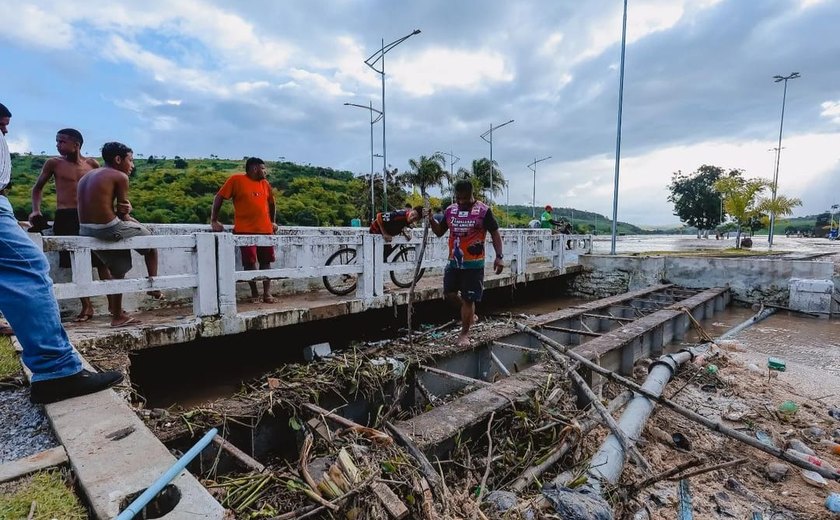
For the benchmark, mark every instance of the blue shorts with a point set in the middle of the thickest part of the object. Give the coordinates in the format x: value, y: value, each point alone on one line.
x: 468, y: 282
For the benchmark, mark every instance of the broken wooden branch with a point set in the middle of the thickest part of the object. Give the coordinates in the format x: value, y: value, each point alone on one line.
x: 426, y: 467
x: 481, y: 488
x: 371, y: 433
x: 635, y: 488
x: 556, y: 350
x: 239, y: 455
x: 312, y: 492
x: 389, y: 500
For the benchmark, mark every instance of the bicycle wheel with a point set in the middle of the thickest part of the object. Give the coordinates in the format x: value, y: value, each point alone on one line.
x: 403, y: 278
x: 341, y: 284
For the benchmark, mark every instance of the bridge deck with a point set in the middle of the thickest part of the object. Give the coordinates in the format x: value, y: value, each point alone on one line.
x: 178, y: 324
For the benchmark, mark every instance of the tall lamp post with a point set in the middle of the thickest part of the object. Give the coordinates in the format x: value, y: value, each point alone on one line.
x: 618, y: 129
x: 488, y: 137
x: 373, y: 121
x: 371, y: 62
x: 533, y: 168
x: 777, y: 79
x: 452, y: 160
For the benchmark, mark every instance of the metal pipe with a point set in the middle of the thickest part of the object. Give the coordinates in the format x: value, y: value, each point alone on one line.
x: 140, y: 502
x: 608, y: 462
x: 618, y: 130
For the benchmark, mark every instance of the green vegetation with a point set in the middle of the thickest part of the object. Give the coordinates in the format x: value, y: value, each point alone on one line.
x: 582, y: 221
x: 9, y: 364
x: 50, y: 492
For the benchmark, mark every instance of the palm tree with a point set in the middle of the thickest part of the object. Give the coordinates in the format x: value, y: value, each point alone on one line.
x: 480, y: 174
x: 782, y: 206
x: 739, y: 200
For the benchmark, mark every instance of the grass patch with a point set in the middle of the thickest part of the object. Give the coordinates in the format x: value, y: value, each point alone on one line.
x: 53, y: 498
x: 9, y: 363
x: 713, y: 253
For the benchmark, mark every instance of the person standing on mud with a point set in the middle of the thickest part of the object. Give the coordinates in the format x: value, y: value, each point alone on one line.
x: 67, y: 169
x: 104, y: 213
x: 28, y: 302
x: 253, y: 214
x: 468, y: 222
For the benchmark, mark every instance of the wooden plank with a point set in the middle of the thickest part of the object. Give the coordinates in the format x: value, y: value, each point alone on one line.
x: 390, y: 500
x: 603, y: 317
x: 454, y: 376
x: 43, y: 460
x: 238, y: 454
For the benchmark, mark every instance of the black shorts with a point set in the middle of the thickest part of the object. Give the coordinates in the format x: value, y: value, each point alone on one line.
x: 468, y: 282
x: 66, y: 223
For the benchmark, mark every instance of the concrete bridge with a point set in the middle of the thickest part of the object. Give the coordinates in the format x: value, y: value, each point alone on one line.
x: 200, y: 272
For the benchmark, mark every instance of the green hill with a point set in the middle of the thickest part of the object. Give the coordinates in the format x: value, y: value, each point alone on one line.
x: 583, y: 221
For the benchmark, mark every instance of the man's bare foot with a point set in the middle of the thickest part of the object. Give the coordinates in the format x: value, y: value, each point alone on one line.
x: 124, y: 320
x: 463, y: 341
x: 268, y: 298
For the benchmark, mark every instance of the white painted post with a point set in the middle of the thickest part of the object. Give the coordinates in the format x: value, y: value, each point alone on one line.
x: 556, y: 255
x: 378, y: 262
x: 82, y: 270
x: 206, y: 295
x: 225, y: 269
x: 365, y: 287
x: 562, y: 260
x: 521, y: 254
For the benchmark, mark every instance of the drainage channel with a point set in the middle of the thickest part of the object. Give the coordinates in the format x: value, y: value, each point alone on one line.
x: 437, y: 397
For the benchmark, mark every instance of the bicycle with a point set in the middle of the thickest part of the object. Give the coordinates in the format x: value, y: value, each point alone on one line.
x: 344, y: 284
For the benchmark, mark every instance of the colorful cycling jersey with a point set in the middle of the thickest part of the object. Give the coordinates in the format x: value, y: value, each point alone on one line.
x: 468, y: 227
x: 393, y: 222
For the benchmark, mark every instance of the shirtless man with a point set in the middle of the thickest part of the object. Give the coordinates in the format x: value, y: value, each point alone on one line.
x: 67, y: 169
x: 104, y: 214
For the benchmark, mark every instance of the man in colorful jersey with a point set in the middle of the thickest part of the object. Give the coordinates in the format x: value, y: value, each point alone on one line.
x: 468, y: 222
x: 253, y: 214
x: 393, y: 223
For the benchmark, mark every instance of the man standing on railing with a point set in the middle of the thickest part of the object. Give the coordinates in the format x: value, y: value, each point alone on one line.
x: 468, y: 222
x: 104, y: 213
x: 67, y: 169
x: 27, y: 301
x: 253, y: 214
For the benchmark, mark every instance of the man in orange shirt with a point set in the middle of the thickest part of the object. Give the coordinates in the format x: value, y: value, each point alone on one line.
x: 253, y: 214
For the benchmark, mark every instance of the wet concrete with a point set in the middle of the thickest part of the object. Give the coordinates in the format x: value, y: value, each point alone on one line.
x: 646, y: 243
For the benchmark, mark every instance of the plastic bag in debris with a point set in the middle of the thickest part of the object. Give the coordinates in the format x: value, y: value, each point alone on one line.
x: 397, y: 366
x: 578, y: 504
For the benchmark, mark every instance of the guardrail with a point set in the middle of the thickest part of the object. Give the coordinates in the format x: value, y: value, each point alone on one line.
x: 212, y: 273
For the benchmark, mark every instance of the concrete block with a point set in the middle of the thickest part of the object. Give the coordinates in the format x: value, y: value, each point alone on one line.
x: 316, y: 351
x: 811, y: 295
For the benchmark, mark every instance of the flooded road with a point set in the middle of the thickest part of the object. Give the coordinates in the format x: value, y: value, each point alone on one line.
x: 687, y: 243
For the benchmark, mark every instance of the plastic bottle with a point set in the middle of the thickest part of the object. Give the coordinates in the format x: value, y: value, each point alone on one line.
x: 801, y: 447
x: 813, y: 459
x: 831, y: 445
x: 833, y: 502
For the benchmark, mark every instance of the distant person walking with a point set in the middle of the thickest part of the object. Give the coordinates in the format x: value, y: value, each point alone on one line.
x: 27, y: 301
x: 253, y: 214
x: 105, y: 213
x: 468, y: 222
x: 67, y: 169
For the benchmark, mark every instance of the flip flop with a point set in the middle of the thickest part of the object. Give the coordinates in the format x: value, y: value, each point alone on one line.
x: 81, y: 318
x: 126, y: 323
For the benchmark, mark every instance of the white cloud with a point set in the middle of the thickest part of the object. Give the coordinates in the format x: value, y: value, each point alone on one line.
x: 643, y: 189
x: 31, y: 25
x: 318, y: 81
x: 831, y: 110
x: 438, y: 68
x: 19, y: 144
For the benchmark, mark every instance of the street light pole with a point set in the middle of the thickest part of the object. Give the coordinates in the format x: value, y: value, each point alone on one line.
x: 485, y: 136
x: 776, y: 79
x: 371, y: 62
x: 618, y: 130
x: 452, y: 160
x: 372, y: 122
x: 533, y: 168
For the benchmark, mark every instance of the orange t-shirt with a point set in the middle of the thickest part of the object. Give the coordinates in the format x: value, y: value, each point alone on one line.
x: 250, y: 204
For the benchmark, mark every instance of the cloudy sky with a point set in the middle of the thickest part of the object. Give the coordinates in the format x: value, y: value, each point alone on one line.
x: 269, y: 78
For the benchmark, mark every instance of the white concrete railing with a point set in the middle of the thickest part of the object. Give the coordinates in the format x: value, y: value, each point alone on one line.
x: 211, y: 268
